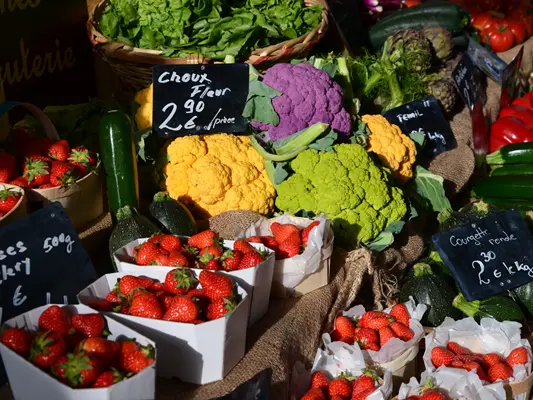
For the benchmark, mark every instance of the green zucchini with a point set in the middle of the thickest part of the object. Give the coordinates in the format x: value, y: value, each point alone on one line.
x: 517, y: 153
x: 443, y: 8
x: 434, y: 290
x: 524, y: 297
x: 498, y: 307
x: 470, y: 213
x: 130, y: 226
x: 506, y: 187
x: 510, y: 204
x: 172, y: 216
x: 513, y: 169
x: 117, y: 150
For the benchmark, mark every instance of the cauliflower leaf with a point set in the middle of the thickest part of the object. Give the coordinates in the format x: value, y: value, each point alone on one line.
x: 430, y: 189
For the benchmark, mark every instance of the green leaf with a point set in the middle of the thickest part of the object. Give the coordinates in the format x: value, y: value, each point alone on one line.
x: 412, y: 212
x: 331, y: 69
x: 305, y: 214
x: 258, y: 88
x: 418, y: 137
x: 260, y: 109
x: 325, y: 143
x: 140, y: 142
x: 430, y: 189
x: 386, y: 238
x: 280, y: 173
x: 395, y: 227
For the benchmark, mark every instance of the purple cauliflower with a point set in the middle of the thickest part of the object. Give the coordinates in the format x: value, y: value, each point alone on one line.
x: 309, y: 95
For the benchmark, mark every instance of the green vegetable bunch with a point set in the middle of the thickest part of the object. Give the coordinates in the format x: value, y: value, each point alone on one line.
x: 208, y: 27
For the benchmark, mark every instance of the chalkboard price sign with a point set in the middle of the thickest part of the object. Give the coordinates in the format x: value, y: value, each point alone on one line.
x: 424, y: 116
x: 196, y: 99
x: 467, y: 81
x: 490, y: 256
x: 511, y: 82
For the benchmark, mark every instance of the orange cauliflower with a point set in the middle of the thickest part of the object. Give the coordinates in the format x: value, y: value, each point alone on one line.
x: 211, y: 174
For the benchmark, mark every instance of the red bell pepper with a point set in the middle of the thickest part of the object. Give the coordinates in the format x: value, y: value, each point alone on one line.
x: 522, y: 101
x: 524, y: 114
x: 508, y: 130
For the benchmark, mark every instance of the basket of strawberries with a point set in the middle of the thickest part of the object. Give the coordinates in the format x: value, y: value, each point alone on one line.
x: 12, y: 203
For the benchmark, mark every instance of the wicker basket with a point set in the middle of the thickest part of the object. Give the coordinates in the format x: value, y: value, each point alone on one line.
x: 133, y: 66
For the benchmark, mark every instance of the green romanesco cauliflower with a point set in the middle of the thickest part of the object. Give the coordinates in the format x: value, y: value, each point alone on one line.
x: 346, y: 186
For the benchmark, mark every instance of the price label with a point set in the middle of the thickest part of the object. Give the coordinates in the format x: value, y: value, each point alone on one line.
x: 490, y: 256
x: 512, y: 82
x: 488, y: 62
x: 467, y: 81
x: 196, y: 99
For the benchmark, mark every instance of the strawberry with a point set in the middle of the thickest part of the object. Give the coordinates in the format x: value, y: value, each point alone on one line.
x: 254, y: 239
x: 204, y: 239
x: 219, y: 308
x: 336, y: 397
x: 37, y: 172
x: 414, y: 397
x: 46, y: 348
x: 146, y: 254
x: 126, y: 347
x: 179, y: 280
x: 82, y: 155
x: 146, y: 305
x: 402, y: 331
x: 373, y: 346
x: 55, y: 319
x: 90, y: 325
x: 113, y: 297
x: 213, y: 265
x: 99, y: 348
x: 139, y: 359
x: 46, y: 186
x: 59, y: 150
x: 156, y: 287
x: 369, y: 315
x: 9, y: 198
x: 282, y: 231
x: 108, y: 378
x: 363, y: 394
x: 127, y: 284
x: 365, y: 381
x: 170, y: 243
x: 182, y: 309
x: 269, y: 242
x: 344, y: 325
x: 340, y: 387
x: 62, y: 174
x: 289, y: 248
x: 433, y: 395
x: 518, y: 356
x: 18, y: 340
x: 156, y: 238
x: 380, y: 322
x: 165, y: 299
x: 231, y: 259
x: 500, y: 371
x: 319, y: 380
x: 385, y: 334
x: 307, y: 230
x: 161, y: 259
x: 243, y: 247
x: 77, y: 370
x: 365, y: 336
x: 472, y: 365
x: 199, y: 297
x: 458, y: 349
x: 210, y: 252
x: 176, y: 259
x: 441, y: 356
x: 250, y: 260
x: 7, y: 167
x: 313, y: 394
x: 492, y: 358
x: 337, y: 337
x: 215, y: 286
x: 400, y: 314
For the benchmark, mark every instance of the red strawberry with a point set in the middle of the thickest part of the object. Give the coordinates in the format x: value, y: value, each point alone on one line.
x: 400, y: 314
x: 170, y: 243
x: 62, y: 174
x: 456, y: 363
x: 90, y: 325
x: 250, y: 260
x: 472, y: 365
x: 146, y: 253
x: 231, y: 260
x: 9, y: 198
x: 127, y: 284
x: 201, y: 300
x: 518, y: 356
x: 99, y: 348
x: 156, y: 287
x: 182, y: 309
x: 204, y: 239
x: 108, y: 378
x: 139, y: 359
x: 282, y: 231
x: 112, y: 297
x: 178, y: 260
x: 365, y: 336
x: 433, y: 395
x: 337, y: 337
x: 458, y: 349
x: 126, y: 347
x: 369, y: 315
x: 492, y: 358
x: 270, y: 242
x: 307, y: 230
x: 243, y: 247
x: 213, y: 265
x: 402, y: 331
x: 46, y: 348
x: 46, y: 186
x: 18, y: 340
x: 7, y: 167
x: 340, y: 387
x: 100, y: 305
x: 77, y: 370
x: 20, y: 182
x: 500, y: 371
x: 165, y: 299
x: 179, y: 280
x: 289, y: 248
x: 220, y: 307
x: 385, y: 334
x: 380, y: 322
x: 59, y: 150
x: 254, y: 239
x: 215, y: 286
x: 314, y: 394
x: 156, y: 238
x: 210, y: 252
x: 146, y: 305
x: 441, y: 356
x: 37, y: 172
x: 319, y: 380
x: 344, y: 325
x: 55, y: 319
x: 372, y: 346
x: 161, y: 259
x: 363, y: 394
x: 365, y: 381
x: 82, y: 159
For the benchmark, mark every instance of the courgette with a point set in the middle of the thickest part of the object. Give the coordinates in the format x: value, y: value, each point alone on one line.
x: 172, y: 216
x: 117, y: 150
x: 434, y: 290
x: 513, y: 169
x: 443, y: 8
x: 510, y: 204
x: 524, y: 297
x: 517, y: 153
x: 505, y: 187
x: 498, y: 307
x: 130, y: 226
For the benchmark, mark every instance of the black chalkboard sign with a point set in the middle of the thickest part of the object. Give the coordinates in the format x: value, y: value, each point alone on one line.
x: 42, y: 261
x: 511, y: 81
x: 257, y: 388
x: 488, y: 62
x: 489, y: 256
x: 468, y: 84
x: 194, y: 99
x: 424, y: 116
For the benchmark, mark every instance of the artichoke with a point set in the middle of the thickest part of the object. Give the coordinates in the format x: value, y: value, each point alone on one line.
x: 441, y: 41
x: 443, y: 89
x: 411, y: 48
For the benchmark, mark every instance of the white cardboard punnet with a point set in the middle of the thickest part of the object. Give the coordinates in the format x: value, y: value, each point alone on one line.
x: 198, y: 354
x: 28, y: 382
x: 257, y: 281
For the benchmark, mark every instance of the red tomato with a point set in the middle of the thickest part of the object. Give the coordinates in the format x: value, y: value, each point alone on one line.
x: 518, y: 29
x: 490, y: 4
x: 483, y: 21
x: 499, y: 37
x: 524, y: 15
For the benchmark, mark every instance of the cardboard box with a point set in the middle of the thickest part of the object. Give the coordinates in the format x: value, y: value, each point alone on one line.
x: 257, y: 281
x: 198, y: 354
x: 28, y: 382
